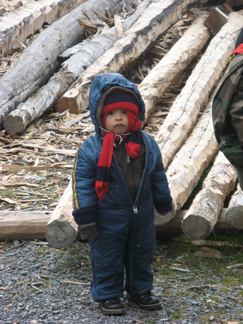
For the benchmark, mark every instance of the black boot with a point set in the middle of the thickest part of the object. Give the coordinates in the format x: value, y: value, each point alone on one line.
x: 111, y: 307
x: 146, y: 301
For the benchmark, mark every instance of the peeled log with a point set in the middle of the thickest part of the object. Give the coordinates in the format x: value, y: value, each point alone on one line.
x: 234, y: 213
x: 39, y: 60
x: 156, y: 19
x: 85, y: 54
x: 195, y: 94
x: 174, y: 226
x: 191, y: 160
x: 161, y: 77
x: 206, y: 207
x: 16, y: 26
x: 61, y: 229
x: 16, y: 225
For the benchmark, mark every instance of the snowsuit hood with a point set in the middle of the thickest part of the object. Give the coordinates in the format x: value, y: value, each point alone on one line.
x: 105, y: 83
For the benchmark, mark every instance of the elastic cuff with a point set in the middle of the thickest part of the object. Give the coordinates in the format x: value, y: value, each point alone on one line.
x: 164, y: 208
x: 84, y: 215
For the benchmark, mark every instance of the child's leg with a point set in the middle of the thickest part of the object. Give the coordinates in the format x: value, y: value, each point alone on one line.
x: 138, y: 260
x: 107, y: 266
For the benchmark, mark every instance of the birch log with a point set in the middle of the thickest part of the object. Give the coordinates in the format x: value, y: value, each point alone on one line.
x: 234, y: 213
x: 194, y: 96
x: 61, y: 229
x: 156, y: 19
x: 203, y: 214
x: 161, y: 77
x: 39, y: 61
x: 190, y: 162
x: 81, y: 57
x: 17, y: 25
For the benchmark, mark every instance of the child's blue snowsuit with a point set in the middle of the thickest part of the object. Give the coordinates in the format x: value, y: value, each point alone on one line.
x: 126, y: 229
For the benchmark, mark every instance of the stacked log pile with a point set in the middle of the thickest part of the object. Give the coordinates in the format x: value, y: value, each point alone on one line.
x: 184, y: 134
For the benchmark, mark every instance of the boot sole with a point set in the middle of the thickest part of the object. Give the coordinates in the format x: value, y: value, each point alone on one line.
x: 146, y: 307
x: 106, y: 311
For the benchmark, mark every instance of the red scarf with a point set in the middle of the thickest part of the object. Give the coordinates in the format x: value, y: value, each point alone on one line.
x: 238, y: 50
x: 132, y: 144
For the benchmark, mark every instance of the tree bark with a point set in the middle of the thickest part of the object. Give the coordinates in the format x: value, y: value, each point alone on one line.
x: 39, y: 60
x: 195, y: 94
x: 16, y: 225
x: 161, y: 77
x: 80, y: 58
x: 203, y: 214
x: 18, y: 25
x: 61, y: 229
x: 157, y: 18
x: 234, y: 213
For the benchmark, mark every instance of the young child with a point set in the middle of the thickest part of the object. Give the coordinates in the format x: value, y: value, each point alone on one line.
x: 118, y: 178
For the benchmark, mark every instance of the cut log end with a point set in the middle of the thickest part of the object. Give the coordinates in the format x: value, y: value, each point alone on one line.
x: 67, y: 102
x: 60, y: 234
x: 234, y: 217
x: 196, y: 227
x: 14, y: 124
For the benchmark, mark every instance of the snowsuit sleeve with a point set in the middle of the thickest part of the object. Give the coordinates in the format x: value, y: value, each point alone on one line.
x: 159, y: 184
x: 84, y: 172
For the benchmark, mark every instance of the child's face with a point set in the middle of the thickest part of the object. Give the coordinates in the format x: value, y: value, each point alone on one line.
x: 117, y: 121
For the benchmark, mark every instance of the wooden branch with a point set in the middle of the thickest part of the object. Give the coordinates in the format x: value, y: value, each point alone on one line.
x: 80, y: 57
x: 61, y: 229
x: 234, y: 213
x: 39, y: 60
x: 195, y: 94
x: 161, y: 77
x: 20, y: 225
x: 156, y: 19
x: 16, y: 26
x: 203, y: 214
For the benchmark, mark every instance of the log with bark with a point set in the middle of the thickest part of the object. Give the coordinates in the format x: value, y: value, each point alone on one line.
x: 39, y: 61
x: 162, y: 76
x: 157, y: 18
x: 80, y: 57
x: 17, y: 25
x: 234, y: 213
x: 19, y: 225
x: 195, y: 94
x: 203, y: 214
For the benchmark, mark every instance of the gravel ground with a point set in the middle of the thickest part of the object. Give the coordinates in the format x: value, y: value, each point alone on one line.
x: 40, y: 284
